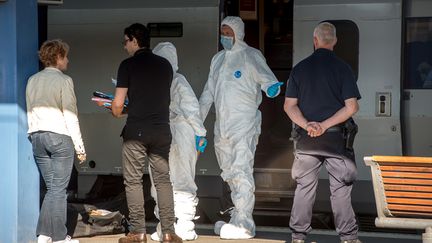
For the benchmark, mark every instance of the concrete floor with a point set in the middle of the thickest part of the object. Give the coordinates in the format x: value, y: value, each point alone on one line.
x: 276, y: 235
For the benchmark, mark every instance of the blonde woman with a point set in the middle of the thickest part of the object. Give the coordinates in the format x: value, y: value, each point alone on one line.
x: 54, y: 133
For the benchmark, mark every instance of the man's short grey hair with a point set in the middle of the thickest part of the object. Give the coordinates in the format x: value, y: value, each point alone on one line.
x: 325, y: 32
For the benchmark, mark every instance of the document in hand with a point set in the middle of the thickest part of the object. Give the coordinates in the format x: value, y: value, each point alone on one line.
x: 106, y: 96
x: 100, y: 99
x: 104, y: 99
x: 103, y: 95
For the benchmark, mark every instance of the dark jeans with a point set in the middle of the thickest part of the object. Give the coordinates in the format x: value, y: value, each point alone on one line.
x: 135, y: 154
x: 54, y: 155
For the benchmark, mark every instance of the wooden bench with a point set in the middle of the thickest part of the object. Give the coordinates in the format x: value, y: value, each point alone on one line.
x: 403, y: 192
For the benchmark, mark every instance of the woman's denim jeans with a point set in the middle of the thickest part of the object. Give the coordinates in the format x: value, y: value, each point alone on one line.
x: 54, y: 155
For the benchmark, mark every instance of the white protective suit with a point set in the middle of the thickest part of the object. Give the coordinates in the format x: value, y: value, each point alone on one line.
x: 185, y: 123
x: 234, y: 85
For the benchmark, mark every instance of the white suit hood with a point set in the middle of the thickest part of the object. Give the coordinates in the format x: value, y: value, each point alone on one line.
x: 168, y: 51
x: 237, y: 25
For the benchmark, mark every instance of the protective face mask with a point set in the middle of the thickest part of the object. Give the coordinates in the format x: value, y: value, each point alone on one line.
x: 227, y: 42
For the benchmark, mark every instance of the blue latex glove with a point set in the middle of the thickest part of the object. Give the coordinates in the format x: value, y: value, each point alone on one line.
x: 197, y: 143
x: 274, y: 89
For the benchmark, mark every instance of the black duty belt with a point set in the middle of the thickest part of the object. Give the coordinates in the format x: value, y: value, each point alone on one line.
x: 335, y: 129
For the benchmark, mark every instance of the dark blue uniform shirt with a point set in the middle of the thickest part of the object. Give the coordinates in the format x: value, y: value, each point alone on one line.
x: 321, y: 83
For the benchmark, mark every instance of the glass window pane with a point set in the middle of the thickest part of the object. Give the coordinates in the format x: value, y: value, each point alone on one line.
x: 347, y: 46
x: 165, y: 29
x: 418, y: 54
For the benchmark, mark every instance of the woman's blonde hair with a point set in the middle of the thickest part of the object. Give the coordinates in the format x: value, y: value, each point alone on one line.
x: 50, y: 50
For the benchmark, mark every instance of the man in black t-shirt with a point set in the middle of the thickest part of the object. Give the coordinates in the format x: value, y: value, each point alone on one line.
x: 321, y: 98
x: 145, y: 79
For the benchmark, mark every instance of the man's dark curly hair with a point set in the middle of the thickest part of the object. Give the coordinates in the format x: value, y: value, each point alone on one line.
x: 140, y: 33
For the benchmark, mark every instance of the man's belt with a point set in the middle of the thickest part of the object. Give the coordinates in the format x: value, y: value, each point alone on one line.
x: 348, y: 129
x: 335, y: 129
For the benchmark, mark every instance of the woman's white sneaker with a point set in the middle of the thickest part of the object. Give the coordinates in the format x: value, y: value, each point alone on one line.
x: 44, y: 239
x: 67, y: 240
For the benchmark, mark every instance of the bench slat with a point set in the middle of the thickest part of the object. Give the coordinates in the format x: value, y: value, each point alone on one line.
x: 411, y: 214
x: 406, y: 168
x: 408, y: 194
x: 410, y: 208
x: 409, y: 201
x: 398, y: 174
x: 404, y: 181
x: 403, y: 159
x: 408, y: 188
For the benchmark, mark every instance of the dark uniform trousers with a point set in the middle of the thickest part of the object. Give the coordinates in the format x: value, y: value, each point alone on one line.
x: 310, y: 154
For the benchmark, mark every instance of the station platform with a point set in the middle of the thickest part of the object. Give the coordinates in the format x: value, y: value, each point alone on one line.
x: 275, y: 235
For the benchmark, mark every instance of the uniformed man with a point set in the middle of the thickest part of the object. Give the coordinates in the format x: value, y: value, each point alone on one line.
x: 321, y: 98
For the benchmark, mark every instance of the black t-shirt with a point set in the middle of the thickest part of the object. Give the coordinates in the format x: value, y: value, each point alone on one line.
x: 148, y: 78
x: 321, y: 83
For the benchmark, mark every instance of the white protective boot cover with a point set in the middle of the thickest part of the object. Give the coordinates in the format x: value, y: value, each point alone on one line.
x: 218, y: 226
x: 157, y: 235
x: 184, y: 229
x: 231, y: 232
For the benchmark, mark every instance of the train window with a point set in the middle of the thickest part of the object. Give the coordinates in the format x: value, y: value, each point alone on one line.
x: 418, y: 53
x: 165, y: 29
x: 347, y: 46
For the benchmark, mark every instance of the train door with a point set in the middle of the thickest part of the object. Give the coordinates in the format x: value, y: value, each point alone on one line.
x: 417, y: 78
x: 369, y: 39
x: 274, y: 153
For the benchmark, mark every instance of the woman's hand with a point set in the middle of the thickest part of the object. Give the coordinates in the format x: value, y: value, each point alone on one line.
x: 82, y: 157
